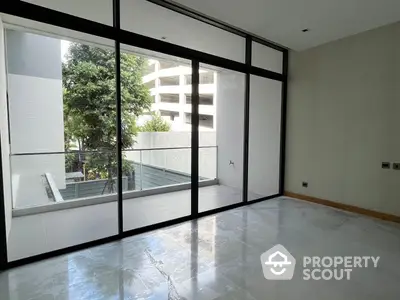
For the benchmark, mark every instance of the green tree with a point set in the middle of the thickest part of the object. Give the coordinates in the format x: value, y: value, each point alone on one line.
x: 90, y: 106
x: 156, y: 124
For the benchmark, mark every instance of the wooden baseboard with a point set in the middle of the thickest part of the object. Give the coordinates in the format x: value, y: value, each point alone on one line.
x: 346, y: 207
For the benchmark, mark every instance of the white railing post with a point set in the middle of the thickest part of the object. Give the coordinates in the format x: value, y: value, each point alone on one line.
x: 141, y: 171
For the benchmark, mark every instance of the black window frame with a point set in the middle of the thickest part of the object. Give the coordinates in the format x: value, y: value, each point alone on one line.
x: 37, y: 13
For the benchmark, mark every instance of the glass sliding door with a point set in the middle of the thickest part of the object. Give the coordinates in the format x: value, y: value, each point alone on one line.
x: 156, y: 137
x: 264, y: 137
x: 62, y: 142
x: 221, y: 128
x: 61, y: 145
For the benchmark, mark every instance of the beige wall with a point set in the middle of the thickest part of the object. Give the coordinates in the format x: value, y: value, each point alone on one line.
x: 344, y: 120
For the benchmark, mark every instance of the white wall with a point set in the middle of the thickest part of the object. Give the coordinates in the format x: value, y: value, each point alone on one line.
x: 143, y: 17
x: 343, y: 120
x: 5, y: 150
x: 176, y: 159
x: 35, y: 115
x: 264, y: 135
x: 36, y: 125
x: 230, y: 124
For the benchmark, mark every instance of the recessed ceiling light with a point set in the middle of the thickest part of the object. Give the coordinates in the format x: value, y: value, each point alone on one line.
x: 306, y: 30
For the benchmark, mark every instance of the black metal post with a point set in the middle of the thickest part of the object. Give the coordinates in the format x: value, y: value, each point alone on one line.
x: 283, y: 123
x: 117, y: 25
x: 246, y: 121
x: 195, y: 139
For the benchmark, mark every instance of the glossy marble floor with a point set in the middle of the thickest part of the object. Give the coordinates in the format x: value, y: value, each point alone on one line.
x: 218, y: 257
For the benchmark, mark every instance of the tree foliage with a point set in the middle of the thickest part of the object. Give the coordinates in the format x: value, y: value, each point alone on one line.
x: 90, y: 105
x: 156, y: 124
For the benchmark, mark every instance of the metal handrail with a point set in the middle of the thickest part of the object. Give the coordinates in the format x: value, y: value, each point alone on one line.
x: 105, y: 151
x: 175, y: 148
x: 140, y: 162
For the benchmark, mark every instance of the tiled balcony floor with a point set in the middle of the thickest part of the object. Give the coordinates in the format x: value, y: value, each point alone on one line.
x: 36, y: 234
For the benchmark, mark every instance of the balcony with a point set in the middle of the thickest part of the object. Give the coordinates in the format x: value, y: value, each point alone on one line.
x: 169, y: 98
x: 206, y: 122
x: 169, y: 81
x: 187, y: 89
x: 203, y: 99
x: 170, y: 107
x: 155, y: 189
x: 71, y: 226
x: 205, y: 77
x: 152, y: 170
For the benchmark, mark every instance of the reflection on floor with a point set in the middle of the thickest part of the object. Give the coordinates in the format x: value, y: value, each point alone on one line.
x: 64, y: 228
x: 159, y: 208
x: 218, y: 257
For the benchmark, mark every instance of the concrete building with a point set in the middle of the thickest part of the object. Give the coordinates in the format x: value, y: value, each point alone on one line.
x: 170, y: 87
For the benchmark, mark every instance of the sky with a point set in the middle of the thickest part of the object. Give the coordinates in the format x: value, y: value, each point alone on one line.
x: 64, y: 49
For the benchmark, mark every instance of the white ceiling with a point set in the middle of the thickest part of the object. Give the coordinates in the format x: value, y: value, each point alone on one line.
x: 281, y: 21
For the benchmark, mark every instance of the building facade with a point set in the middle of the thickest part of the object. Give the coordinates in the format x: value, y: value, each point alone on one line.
x: 170, y: 88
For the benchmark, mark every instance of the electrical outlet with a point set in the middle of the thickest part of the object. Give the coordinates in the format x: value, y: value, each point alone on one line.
x: 305, y: 184
x: 396, y: 166
x: 386, y: 165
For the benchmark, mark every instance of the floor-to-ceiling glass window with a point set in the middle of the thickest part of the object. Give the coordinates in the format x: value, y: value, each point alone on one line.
x: 156, y: 137
x: 265, y: 116
x: 266, y: 58
x: 62, y: 141
x: 170, y: 85
x: 221, y: 128
x: 264, y: 137
x: 62, y: 122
